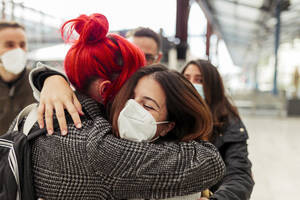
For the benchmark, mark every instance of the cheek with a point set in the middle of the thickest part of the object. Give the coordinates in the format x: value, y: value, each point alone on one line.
x: 154, y: 115
x: 193, y: 80
x: 163, y: 115
x: 2, y: 51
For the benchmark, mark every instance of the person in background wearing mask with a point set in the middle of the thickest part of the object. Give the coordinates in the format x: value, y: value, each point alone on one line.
x: 148, y: 41
x: 229, y: 133
x: 14, y: 86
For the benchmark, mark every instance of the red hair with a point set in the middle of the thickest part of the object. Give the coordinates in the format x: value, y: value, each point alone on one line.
x: 96, y: 54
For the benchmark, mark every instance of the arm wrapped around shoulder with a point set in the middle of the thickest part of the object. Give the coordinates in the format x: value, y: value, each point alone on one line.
x: 38, y: 75
x: 147, y: 170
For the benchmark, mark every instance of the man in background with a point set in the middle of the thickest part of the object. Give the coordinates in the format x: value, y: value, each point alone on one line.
x: 14, y: 86
x: 149, y: 42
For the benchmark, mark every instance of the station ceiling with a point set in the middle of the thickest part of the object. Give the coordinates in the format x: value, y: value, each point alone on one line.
x: 248, y: 26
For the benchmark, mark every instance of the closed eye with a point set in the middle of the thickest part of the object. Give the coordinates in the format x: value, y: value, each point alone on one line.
x: 148, y: 107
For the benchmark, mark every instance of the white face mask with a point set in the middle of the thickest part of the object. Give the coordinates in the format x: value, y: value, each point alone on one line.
x: 137, y: 124
x: 199, y: 88
x: 14, y: 61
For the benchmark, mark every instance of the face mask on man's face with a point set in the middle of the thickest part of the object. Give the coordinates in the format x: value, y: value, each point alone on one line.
x: 137, y: 124
x: 14, y: 61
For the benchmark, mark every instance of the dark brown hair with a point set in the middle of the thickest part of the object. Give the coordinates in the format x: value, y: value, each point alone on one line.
x: 10, y: 24
x: 185, y: 107
x: 214, y: 92
x: 147, y: 32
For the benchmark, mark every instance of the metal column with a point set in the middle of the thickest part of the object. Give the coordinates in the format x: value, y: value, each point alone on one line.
x: 182, y: 15
x: 277, y: 42
x: 209, y: 32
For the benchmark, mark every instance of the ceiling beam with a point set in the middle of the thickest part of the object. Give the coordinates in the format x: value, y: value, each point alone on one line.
x: 238, y: 3
x: 207, y: 10
x: 238, y: 18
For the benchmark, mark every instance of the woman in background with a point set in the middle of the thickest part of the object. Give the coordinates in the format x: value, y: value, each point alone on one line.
x: 229, y: 133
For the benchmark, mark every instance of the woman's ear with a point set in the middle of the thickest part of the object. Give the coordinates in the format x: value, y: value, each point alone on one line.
x: 169, y: 127
x: 103, y: 86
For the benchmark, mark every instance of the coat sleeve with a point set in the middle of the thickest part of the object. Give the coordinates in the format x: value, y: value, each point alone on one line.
x: 38, y: 75
x: 147, y: 170
x: 237, y: 183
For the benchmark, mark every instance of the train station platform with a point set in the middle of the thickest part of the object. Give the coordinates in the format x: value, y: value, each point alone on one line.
x: 274, y: 151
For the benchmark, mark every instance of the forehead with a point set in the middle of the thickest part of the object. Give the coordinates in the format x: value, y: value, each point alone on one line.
x: 148, y: 87
x: 146, y: 44
x: 192, y: 69
x: 12, y: 34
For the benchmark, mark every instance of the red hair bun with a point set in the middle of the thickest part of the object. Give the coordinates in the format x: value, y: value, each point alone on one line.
x: 96, y: 54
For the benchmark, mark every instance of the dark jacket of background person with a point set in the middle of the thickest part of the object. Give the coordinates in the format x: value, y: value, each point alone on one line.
x: 237, y: 183
x: 14, y: 97
x: 91, y: 163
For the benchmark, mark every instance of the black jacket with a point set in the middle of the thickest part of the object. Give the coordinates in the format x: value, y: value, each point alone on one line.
x: 237, y: 183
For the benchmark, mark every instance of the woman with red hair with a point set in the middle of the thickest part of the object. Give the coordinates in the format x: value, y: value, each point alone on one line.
x: 92, y: 163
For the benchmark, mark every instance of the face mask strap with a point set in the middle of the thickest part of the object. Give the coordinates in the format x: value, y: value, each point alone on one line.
x: 154, y: 139
x: 163, y: 122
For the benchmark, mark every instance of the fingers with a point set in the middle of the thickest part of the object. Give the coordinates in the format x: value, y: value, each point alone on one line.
x: 60, y: 114
x: 40, y: 112
x: 77, y: 104
x: 74, y: 114
x: 49, y: 119
x: 57, y: 94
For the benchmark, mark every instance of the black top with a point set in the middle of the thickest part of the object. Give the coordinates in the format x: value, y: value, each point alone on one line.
x: 237, y: 184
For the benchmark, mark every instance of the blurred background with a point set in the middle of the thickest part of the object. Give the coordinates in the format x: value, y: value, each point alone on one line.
x: 254, y: 43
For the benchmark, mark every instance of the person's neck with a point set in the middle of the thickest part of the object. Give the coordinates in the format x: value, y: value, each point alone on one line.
x: 7, y: 76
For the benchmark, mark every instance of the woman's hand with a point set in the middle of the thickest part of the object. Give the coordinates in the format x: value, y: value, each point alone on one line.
x: 57, y: 94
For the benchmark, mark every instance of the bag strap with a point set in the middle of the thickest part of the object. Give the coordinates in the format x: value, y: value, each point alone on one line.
x: 30, y: 120
x: 31, y: 112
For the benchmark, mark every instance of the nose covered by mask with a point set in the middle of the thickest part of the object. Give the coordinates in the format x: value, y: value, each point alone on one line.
x: 14, y: 61
x: 199, y: 88
x: 136, y: 124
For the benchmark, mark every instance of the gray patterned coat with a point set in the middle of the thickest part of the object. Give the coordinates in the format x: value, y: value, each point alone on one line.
x: 91, y: 163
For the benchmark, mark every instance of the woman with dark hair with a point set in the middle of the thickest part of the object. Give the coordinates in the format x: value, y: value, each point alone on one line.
x: 159, y: 105
x: 229, y: 134
x: 169, y: 98
x: 90, y: 162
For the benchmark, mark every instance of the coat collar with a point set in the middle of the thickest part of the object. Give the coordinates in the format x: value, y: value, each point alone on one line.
x: 91, y: 107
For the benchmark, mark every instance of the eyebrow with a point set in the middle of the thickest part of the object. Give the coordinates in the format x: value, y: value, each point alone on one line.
x: 187, y: 74
x: 150, y: 99
x: 9, y: 41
